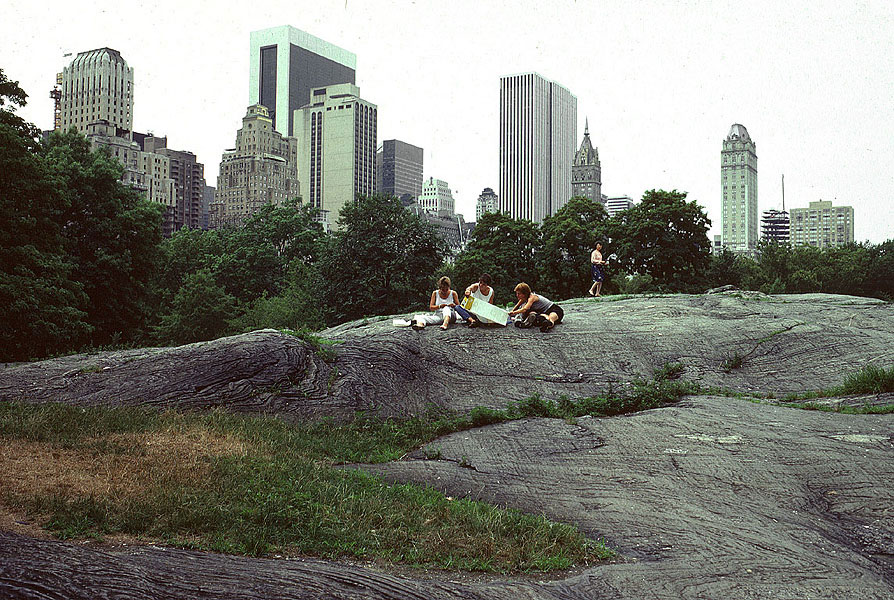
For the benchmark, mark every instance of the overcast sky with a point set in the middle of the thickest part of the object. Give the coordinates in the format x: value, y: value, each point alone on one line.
x: 660, y: 82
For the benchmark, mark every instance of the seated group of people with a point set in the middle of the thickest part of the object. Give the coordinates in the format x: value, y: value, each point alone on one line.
x: 531, y: 310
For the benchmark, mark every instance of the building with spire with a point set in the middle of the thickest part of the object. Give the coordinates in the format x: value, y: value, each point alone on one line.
x: 586, y: 171
x: 738, y: 174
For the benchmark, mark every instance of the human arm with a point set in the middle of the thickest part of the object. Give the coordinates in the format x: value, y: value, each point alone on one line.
x: 432, y: 303
x: 455, y: 298
x: 471, y: 289
x: 525, y: 307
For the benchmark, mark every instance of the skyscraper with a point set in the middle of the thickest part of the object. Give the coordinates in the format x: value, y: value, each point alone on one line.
x: 399, y: 170
x: 336, y: 137
x: 586, y: 172
x: 98, y: 86
x: 738, y: 173
x: 262, y: 169
x: 488, y: 202
x: 285, y: 64
x: 822, y: 225
x: 538, y: 123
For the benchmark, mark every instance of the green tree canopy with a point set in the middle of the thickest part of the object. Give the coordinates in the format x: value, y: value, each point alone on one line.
x: 664, y: 237
x: 569, y: 238
x: 382, y: 260
x: 504, y: 247
x: 110, y: 233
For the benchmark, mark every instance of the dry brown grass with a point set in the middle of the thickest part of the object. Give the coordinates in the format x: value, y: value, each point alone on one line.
x: 115, y: 467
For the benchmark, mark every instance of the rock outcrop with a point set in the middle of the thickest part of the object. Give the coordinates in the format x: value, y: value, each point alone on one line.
x: 713, y: 497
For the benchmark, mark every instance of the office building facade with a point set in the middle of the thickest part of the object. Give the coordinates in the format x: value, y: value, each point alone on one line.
x: 336, y: 138
x: 538, y: 122
x: 436, y: 198
x: 97, y: 86
x: 285, y: 64
x: 262, y: 169
x: 618, y: 204
x: 586, y: 172
x: 399, y: 170
x: 822, y: 225
x: 738, y: 174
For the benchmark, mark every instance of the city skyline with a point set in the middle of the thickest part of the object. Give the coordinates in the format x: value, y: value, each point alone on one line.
x: 811, y: 82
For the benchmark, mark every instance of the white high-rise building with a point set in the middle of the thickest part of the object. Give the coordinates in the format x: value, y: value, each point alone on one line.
x: 618, y: 204
x: 488, y: 202
x: 538, y: 124
x: 337, y: 137
x: 97, y: 86
x: 738, y: 173
x: 436, y: 198
x: 285, y: 64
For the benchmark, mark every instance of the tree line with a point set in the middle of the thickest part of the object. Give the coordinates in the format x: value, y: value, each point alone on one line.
x: 83, y: 263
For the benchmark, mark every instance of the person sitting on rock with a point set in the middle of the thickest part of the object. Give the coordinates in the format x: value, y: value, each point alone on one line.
x: 443, y: 302
x: 482, y: 291
x: 537, y: 310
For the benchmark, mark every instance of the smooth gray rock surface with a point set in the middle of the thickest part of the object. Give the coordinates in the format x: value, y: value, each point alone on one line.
x: 713, y: 497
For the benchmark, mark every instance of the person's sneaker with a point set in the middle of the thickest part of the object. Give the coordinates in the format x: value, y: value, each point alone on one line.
x: 547, y: 326
x: 539, y: 320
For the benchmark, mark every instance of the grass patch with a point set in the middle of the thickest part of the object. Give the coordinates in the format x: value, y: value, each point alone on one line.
x: 258, y: 486
x: 869, y: 380
x: 323, y: 347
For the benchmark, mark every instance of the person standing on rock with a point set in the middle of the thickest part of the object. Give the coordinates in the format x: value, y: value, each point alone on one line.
x: 537, y: 310
x: 481, y: 291
x: 596, y: 264
x: 443, y: 302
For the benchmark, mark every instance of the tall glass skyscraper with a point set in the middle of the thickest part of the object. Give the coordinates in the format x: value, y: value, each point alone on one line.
x: 538, y: 122
x: 285, y: 64
x: 399, y: 169
x: 738, y: 174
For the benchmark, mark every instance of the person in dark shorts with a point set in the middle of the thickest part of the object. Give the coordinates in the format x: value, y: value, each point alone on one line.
x: 596, y: 264
x: 537, y: 310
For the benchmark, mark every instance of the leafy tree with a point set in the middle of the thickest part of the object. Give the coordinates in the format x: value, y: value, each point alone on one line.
x: 41, y: 308
x: 200, y: 311
x: 109, y: 232
x: 382, y: 260
x: 665, y: 237
x: 569, y: 238
x: 14, y: 96
x: 297, y: 307
x: 504, y: 247
x: 880, y: 276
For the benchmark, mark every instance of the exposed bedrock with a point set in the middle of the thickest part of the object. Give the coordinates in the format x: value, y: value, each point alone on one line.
x: 761, y: 344
x: 713, y: 497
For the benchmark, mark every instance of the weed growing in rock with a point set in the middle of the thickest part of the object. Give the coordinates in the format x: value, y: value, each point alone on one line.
x: 871, y: 379
x: 322, y: 346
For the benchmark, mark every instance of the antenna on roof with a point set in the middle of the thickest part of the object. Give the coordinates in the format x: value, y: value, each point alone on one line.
x: 783, y: 192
